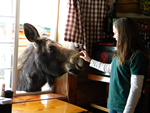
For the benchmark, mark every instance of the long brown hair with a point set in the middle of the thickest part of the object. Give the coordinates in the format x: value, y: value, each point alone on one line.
x: 129, y: 40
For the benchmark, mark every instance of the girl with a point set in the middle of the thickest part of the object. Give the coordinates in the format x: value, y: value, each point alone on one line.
x: 128, y: 68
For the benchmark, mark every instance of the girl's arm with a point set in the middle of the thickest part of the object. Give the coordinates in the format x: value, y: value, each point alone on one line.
x: 100, y: 66
x: 135, y: 93
x: 95, y: 64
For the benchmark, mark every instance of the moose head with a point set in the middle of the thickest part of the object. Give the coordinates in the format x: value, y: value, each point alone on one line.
x: 44, y: 60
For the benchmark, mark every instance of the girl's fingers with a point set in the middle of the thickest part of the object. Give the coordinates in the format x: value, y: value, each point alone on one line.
x: 81, y: 56
x: 83, y: 53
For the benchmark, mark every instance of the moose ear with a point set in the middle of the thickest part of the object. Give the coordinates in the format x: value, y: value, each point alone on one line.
x: 30, y: 32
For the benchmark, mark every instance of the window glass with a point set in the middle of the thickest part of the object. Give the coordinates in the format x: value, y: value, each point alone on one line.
x: 7, y: 8
x: 7, y: 20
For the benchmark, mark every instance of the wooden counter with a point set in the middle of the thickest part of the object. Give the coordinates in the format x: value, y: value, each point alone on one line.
x: 99, y: 78
x: 47, y: 106
x: 106, y: 79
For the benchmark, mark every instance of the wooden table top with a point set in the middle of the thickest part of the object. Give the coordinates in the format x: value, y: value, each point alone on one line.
x: 47, y: 106
x: 29, y: 98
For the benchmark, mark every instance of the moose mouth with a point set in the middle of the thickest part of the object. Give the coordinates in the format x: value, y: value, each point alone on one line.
x: 75, y: 70
x: 79, y: 67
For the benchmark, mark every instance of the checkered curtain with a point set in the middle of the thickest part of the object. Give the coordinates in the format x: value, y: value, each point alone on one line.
x: 85, y: 23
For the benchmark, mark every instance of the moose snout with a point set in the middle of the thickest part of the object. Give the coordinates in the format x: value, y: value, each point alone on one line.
x: 78, y: 62
x: 81, y: 64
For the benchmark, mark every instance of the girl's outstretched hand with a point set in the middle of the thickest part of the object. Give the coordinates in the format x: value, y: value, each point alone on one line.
x: 84, y: 55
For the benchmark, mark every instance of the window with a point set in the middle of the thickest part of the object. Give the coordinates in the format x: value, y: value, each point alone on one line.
x: 13, y: 41
x: 7, y: 20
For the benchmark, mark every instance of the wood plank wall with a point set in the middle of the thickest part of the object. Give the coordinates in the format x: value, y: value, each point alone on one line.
x: 129, y: 6
x: 132, y: 6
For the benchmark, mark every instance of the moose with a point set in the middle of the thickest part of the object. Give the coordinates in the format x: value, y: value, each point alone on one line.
x: 44, y: 60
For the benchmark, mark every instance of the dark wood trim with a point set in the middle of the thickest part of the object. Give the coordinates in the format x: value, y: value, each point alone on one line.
x: 99, y: 78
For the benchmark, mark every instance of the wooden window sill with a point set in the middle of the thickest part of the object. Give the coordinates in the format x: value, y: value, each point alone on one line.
x: 19, y: 99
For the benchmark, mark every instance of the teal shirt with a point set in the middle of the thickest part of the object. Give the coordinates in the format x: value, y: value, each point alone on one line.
x: 119, y: 86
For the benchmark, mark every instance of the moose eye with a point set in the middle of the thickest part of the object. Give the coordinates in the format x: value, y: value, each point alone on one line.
x: 51, y: 48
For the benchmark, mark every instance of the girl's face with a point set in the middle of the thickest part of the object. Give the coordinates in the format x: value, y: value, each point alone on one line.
x: 115, y: 33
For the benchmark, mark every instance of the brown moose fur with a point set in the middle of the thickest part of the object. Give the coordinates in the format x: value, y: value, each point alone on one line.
x: 44, y: 60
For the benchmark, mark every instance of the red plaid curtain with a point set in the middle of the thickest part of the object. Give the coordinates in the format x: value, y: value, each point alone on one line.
x: 85, y: 23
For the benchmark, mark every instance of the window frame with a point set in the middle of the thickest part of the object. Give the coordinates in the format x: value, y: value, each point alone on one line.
x: 16, y: 46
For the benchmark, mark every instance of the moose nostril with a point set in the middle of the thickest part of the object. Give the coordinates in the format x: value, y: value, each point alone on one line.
x: 79, y: 67
x: 80, y: 64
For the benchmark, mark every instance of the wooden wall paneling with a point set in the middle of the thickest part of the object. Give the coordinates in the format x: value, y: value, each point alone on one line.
x: 79, y: 90
x: 83, y: 92
x: 147, y: 97
x: 127, y: 1
x: 60, y: 86
x: 128, y: 6
x: 91, y: 92
x: 72, y: 89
